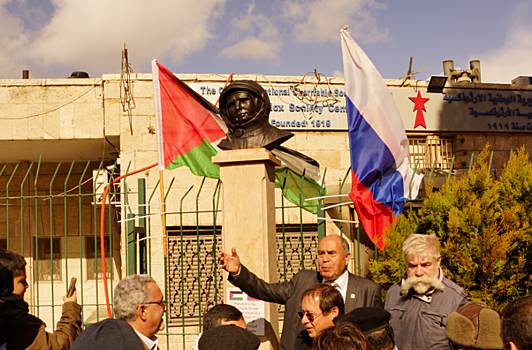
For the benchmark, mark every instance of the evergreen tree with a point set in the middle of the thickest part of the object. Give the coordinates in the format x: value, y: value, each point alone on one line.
x: 484, y: 231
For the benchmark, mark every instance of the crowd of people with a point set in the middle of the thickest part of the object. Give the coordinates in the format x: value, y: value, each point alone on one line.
x: 329, y: 309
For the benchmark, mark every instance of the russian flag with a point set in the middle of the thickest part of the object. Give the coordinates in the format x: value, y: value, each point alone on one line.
x: 378, y: 144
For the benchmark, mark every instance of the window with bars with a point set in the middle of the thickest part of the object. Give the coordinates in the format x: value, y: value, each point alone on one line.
x: 290, y: 247
x: 195, y: 254
x: 431, y: 152
x: 296, y: 250
x: 195, y: 283
x: 48, y: 259
x: 94, y: 263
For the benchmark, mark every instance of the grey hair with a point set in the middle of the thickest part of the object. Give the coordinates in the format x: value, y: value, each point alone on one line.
x: 345, y: 246
x: 417, y: 244
x: 130, y: 293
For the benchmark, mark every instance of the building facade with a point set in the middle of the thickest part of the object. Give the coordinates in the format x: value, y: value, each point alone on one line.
x: 64, y: 140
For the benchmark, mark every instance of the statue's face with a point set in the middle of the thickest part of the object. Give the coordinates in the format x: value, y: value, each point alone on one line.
x: 241, y: 107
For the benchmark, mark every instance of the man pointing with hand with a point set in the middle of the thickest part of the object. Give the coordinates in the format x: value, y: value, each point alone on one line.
x: 333, y: 257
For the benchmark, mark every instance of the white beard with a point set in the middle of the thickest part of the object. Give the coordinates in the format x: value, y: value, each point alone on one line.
x: 421, y: 284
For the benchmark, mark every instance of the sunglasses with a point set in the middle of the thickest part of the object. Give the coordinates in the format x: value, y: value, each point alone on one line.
x: 310, y: 317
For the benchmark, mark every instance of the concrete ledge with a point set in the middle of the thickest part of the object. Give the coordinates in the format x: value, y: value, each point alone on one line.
x: 245, y: 156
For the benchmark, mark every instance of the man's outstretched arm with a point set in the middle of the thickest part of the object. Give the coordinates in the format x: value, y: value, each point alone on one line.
x: 252, y: 285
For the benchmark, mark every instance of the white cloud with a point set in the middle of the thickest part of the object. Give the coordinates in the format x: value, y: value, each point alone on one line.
x: 503, y: 64
x: 318, y: 21
x: 11, y: 43
x: 338, y: 74
x: 511, y: 60
x: 88, y: 35
x: 262, y: 41
x: 253, y: 48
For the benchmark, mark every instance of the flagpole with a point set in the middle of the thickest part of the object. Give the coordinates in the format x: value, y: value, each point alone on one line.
x: 163, y: 210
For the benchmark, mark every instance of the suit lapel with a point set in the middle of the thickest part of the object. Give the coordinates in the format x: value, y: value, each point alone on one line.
x: 352, y: 295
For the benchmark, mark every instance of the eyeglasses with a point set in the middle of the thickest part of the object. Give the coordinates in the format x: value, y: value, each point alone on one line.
x: 161, y: 303
x: 310, y: 317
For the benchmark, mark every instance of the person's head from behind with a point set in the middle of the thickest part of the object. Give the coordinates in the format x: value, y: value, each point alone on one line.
x: 15, y: 264
x: 373, y: 322
x: 516, y: 324
x: 344, y: 336
x: 382, y: 339
x: 320, y: 305
x: 228, y: 337
x: 139, y: 301
x: 474, y: 326
x: 221, y: 315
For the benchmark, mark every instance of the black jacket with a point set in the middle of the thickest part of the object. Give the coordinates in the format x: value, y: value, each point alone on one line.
x: 360, y: 292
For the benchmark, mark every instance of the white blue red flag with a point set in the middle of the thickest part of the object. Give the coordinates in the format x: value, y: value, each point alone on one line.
x: 378, y: 144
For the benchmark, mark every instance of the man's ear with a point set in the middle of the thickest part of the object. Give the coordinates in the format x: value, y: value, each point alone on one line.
x: 141, y: 312
x: 335, y: 312
x: 512, y: 346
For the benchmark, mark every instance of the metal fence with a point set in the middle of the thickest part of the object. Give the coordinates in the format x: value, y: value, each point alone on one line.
x: 50, y: 214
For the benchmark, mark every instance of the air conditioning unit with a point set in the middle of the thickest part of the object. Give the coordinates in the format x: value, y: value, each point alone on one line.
x: 100, y: 180
x: 522, y: 80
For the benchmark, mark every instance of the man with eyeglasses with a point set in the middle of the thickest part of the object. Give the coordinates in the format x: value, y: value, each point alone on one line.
x: 139, y: 307
x: 320, y: 305
x: 333, y: 257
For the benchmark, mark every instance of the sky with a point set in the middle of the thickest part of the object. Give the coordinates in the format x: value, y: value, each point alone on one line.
x: 52, y: 38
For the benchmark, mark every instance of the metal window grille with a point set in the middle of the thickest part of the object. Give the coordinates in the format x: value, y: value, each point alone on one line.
x: 431, y: 152
x: 94, y: 263
x: 188, y: 295
x: 289, y: 258
x: 48, y: 259
x: 295, y: 240
x: 194, y: 283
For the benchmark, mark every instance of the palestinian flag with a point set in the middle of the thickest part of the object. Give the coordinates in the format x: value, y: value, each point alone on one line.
x: 188, y: 126
x: 236, y: 295
x: 299, y: 177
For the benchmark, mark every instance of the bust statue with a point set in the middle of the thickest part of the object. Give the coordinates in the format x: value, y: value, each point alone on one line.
x: 245, y: 108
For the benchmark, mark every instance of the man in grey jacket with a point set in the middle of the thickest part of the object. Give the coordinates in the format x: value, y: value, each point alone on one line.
x: 420, y: 304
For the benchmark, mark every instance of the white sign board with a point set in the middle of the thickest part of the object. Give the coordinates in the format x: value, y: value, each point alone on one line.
x: 252, y: 309
x: 289, y: 112
x: 456, y: 110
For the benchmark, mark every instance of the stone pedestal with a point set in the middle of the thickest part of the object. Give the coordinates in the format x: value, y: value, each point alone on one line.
x: 248, y: 208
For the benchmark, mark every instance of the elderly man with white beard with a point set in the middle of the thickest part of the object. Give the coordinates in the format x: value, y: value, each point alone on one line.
x: 420, y: 304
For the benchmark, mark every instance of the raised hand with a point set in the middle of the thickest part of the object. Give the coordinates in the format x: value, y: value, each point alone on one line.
x: 230, y: 262
x: 73, y: 298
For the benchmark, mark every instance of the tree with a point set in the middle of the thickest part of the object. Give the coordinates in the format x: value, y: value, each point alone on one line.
x: 484, y: 231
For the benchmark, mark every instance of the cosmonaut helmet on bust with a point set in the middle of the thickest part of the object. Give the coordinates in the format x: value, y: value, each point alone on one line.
x: 245, y: 108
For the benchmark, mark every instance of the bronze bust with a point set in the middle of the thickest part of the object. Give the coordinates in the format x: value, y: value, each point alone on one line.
x: 245, y: 108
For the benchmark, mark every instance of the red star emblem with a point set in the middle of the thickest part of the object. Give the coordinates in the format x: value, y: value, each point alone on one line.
x: 419, y: 105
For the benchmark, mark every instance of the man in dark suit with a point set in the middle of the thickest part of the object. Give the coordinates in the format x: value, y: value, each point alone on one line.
x: 333, y: 257
x: 139, y: 307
